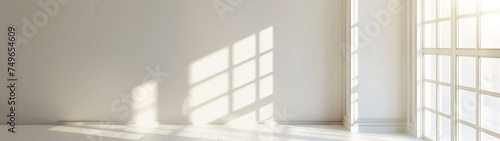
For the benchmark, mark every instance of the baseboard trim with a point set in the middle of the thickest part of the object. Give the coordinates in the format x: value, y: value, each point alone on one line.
x: 211, y: 123
x: 347, y: 125
x: 376, y: 127
x: 380, y: 129
x: 412, y: 132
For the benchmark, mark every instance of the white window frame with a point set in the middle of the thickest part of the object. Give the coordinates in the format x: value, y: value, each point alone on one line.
x: 418, y: 64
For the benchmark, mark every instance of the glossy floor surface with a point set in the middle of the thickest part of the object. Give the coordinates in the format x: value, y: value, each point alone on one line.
x: 104, y: 132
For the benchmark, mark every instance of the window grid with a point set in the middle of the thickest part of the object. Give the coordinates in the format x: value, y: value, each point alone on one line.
x: 477, y: 52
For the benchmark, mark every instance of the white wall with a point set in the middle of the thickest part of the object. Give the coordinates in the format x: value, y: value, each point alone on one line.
x: 92, y: 56
x: 378, y: 62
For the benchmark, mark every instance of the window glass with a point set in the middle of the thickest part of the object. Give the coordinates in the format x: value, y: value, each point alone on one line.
x: 430, y: 35
x: 444, y: 68
x: 490, y: 5
x: 444, y: 34
x: 488, y: 137
x: 490, y: 113
x: 430, y: 67
x: 444, y: 8
x: 467, y: 71
x: 445, y: 99
x: 467, y: 133
x: 490, y: 74
x: 467, y: 106
x: 430, y: 95
x: 430, y: 9
x: 445, y: 129
x: 490, y: 31
x: 466, y: 6
x: 430, y: 125
x: 467, y: 32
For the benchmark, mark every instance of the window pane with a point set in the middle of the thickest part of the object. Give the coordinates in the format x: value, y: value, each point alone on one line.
x: 490, y: 31
x: 430, y: 125
x: 430, y: 35
x: 419, y: 37
x: 430, y: 67
x: 490, y: 113
x: 430, y: 95
x: 490, y: 5
x: 444, y: 8
x: 467, y: 106
x: 445, y: 68
x: 430, y: 9
x: 445, y: 34
x: 467, y: 33
x: 467, y: 71
x: 488, y: 137
x: 466, y: 6
x: 467, y: 133
x: 445, y: 99
x: 445, y: 129
x: 490, y: 74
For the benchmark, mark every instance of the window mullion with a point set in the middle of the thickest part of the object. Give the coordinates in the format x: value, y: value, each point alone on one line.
x: 478, y: 71
x: 438, y: 94
x: 423, y: 71
x: 454, y: 96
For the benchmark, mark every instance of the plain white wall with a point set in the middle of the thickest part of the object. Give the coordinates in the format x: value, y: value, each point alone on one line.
x: 379, y: 60
x: 84, y: 64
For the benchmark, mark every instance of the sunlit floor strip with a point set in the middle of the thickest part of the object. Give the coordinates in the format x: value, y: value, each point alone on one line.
x: 196, y: 133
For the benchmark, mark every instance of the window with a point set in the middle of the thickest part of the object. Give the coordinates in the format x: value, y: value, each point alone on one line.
x: 460, y: 41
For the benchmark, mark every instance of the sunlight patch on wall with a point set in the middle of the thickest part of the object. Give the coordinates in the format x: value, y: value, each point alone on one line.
x: 230, y: 84
x: 266, y: 64
x: 244, y: 97
x: 266, y: 87
x: 211, y: 111
x: 145, y: 103
x: 266, y: 39
x: 209, y: 90
x: 244, y: 50
x: 244, y: 74
x: 209, y: 65
x: 266, y: 113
